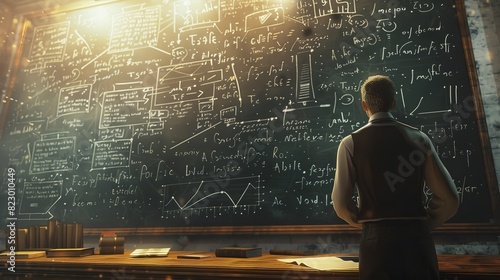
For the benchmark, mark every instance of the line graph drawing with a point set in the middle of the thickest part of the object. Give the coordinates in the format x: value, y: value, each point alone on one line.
x: 425, y: 107
x: 226, y: 193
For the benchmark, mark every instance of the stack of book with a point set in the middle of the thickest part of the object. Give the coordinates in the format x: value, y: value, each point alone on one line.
x: 52, y: 235
x: 110, y: 243
x: 69, y: 236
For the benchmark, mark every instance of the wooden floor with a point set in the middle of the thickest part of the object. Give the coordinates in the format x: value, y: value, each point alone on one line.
x: 122, y: 267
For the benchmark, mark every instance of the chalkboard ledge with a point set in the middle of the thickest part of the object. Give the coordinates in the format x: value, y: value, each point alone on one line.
x: 455, y: 228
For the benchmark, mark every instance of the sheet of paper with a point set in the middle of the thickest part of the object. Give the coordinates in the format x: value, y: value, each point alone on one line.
x: 323, y: 263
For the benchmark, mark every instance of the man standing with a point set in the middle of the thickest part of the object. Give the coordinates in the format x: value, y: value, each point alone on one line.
x: 389, y: 162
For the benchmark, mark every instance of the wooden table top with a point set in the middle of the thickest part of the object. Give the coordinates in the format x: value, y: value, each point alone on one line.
x: 265, y: 267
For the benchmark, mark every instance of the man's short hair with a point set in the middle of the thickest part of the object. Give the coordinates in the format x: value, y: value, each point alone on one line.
x: 379, y: 94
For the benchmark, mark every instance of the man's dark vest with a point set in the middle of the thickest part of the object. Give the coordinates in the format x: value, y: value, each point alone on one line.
x: 390, y: 171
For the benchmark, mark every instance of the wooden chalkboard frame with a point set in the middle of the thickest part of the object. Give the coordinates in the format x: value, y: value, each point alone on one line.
x: 475, y: 228
x: 480, y: 115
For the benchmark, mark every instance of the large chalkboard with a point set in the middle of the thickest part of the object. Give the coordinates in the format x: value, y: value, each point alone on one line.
x: 215, y: 113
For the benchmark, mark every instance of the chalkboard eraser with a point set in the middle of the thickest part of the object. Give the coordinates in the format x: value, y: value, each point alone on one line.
x: 293, y: 252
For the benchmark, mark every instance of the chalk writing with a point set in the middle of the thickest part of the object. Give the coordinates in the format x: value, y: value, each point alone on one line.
x: 208, y: 113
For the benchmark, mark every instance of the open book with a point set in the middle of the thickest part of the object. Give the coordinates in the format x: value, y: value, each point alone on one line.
x: 151, y: 252
x: 324, y: 263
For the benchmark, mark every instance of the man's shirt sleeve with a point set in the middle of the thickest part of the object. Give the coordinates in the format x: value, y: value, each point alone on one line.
x: 344, y: 183
x: 444, y: 201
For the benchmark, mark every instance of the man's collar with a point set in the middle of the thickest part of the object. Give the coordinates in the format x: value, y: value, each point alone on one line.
x: 380, y: 116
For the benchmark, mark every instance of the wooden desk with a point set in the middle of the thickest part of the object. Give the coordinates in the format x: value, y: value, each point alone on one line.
x: 121, y: 267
